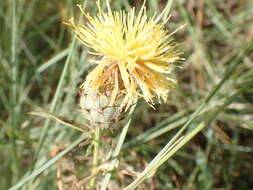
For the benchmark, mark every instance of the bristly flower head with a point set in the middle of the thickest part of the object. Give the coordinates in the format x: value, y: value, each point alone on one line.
x: 136, y: 55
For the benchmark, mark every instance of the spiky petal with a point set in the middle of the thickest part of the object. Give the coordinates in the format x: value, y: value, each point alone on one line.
x: 137, y: 54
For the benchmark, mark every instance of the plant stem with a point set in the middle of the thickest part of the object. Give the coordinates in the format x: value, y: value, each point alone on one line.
x: 13, y: 98
x: 117, y: 151
x: 96, y: 143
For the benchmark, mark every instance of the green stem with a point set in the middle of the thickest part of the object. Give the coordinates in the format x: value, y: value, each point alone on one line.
x: 96, y: 143
x: 13, y: 98
x: 117, y: 151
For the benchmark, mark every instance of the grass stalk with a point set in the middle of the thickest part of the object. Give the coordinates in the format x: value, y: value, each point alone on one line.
x: 14, y: 88
x: 96, y: 144
x: 57, y: 96
x: 48, y: 164
x: 169, y: 151
x: 55, y: 100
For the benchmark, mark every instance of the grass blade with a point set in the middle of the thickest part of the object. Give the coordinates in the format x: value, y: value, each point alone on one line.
x: 49, y: 163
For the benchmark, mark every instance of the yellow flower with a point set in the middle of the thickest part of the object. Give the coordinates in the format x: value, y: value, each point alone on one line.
x: 136, y: 55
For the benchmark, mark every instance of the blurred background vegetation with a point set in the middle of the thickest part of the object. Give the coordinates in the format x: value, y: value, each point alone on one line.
x: 42, y: 66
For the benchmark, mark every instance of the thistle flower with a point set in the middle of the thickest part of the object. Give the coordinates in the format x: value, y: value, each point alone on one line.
x: 136, y: 54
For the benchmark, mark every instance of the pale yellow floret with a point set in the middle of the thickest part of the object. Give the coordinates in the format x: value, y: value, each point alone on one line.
x: 137, y: 54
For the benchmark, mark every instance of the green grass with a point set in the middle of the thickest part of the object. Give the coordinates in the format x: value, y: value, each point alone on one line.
x: 42, y: 66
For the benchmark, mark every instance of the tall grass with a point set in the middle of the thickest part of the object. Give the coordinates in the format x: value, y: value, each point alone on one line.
x: 42, y: 66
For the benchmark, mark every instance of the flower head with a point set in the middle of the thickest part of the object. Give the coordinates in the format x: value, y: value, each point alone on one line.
x: 136, y: 55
